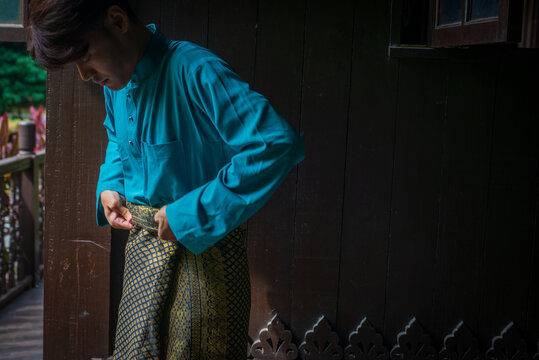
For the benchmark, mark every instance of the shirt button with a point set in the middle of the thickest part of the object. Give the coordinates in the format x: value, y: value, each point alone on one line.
x: 130, y: 142
x: 130, y: 118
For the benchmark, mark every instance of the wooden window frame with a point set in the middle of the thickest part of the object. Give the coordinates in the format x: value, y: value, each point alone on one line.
x: 506, y: 27
x: 530, y: 26
x: 16, y: 32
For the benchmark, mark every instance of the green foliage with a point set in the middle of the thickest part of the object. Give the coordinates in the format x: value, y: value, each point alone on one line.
x: 22, y: 81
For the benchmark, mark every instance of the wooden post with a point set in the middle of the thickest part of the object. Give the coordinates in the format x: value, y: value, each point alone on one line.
x: 76, y: 250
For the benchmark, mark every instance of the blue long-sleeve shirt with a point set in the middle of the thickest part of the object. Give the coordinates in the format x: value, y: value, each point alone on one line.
x: 188, y: 133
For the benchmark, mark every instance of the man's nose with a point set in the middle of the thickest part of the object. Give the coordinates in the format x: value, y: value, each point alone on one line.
x: 85, y: 73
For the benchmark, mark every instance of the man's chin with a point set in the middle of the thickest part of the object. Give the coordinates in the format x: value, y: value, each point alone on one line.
x: 112, y: 85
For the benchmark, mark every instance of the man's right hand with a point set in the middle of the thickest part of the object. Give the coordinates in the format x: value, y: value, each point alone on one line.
x: 117, y: 215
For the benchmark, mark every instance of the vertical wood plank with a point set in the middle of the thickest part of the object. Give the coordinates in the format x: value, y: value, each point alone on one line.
x: 508, y: 242
x: 150, y: 11
x: 326, y: 84
x: 76, y: 303
x: 186, y: 20
x: 415, y: 196
x: 232, y: 33
x: 369, y: 167
x: 532, y: 310
x: 27, y: 265
x: 467, y: 136
x: 279, y: 62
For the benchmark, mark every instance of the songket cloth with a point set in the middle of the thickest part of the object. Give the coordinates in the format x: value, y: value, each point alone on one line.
x: 177, y: 305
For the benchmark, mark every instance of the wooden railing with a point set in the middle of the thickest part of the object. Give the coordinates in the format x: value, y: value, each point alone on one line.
x: 21, y: 218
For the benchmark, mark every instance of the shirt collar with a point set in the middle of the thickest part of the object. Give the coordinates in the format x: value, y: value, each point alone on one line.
x: 153, y: 55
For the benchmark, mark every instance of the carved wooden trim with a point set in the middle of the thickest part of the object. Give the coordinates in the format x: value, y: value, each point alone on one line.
x: 249, y: 345
x: 461, y: 345
x: 274, y: 343
x: 413, y: 344
x: 508, y: 345
x: 321, y: 343
x: 365, y: 344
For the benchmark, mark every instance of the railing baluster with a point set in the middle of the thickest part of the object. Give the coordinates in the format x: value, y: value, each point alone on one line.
x: 3, y: 287
x: 17, y: 211
x: 41, y: 190
x: 14, y: 243
x: 11, y: 235
x: 39, y: 208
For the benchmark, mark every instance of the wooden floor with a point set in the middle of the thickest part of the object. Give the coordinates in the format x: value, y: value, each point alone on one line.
x: 21, y: 327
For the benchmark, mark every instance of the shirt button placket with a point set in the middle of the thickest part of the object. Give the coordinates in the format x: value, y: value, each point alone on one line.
x: 131, y: 109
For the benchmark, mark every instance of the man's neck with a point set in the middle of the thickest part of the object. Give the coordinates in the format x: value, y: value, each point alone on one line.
x: 142, y: 37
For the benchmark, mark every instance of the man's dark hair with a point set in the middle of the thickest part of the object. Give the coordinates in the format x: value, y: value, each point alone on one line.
x: 58, y: 27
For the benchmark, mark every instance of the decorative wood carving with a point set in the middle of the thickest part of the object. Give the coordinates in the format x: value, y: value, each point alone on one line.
x: 461, y: 345
x: 321, y: 343
x: 274, y: 343
x: 249, y: 344
x: 365, y: 344
x: 508, y: 345
x: 413, y: 344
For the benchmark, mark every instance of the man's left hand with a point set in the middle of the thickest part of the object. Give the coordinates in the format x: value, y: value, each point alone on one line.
x: 164, y: 232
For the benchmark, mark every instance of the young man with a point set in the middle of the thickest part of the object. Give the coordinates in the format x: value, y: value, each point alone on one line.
x: 192, y: 153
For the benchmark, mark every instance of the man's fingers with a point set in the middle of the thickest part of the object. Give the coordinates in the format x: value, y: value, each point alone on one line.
x: 125, y: 213
x: 116, y: 213
x: 121, y: 223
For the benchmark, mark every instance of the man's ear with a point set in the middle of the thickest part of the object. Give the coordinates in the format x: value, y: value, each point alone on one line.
x: 116, y: 19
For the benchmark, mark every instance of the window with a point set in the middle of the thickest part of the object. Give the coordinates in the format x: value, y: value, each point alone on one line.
x: 530, y: 26
x: 428, y: 24
x: 13, y: 19
x: 470, y: 22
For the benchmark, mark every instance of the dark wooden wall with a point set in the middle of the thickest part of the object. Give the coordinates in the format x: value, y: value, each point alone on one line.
x: 417, y: 197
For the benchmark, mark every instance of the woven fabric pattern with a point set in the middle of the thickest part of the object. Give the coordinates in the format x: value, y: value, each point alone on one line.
x: 178, y: 305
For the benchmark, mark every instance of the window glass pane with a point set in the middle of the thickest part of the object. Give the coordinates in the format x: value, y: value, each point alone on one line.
x: 10, y: 11
x: 484, y: 9
x: 450, y: 11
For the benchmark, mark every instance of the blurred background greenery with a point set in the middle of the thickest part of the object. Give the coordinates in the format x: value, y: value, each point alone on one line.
x: 22, y: 83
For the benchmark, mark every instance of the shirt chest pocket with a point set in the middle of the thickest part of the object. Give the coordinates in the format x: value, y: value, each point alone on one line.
x: 174, y: 168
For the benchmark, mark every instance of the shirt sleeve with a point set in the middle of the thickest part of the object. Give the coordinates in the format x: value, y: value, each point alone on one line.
x: 111, y: 171
x: 266, y: 149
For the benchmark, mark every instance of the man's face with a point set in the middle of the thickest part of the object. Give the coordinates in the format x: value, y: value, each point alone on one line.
x: 108, y: 61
